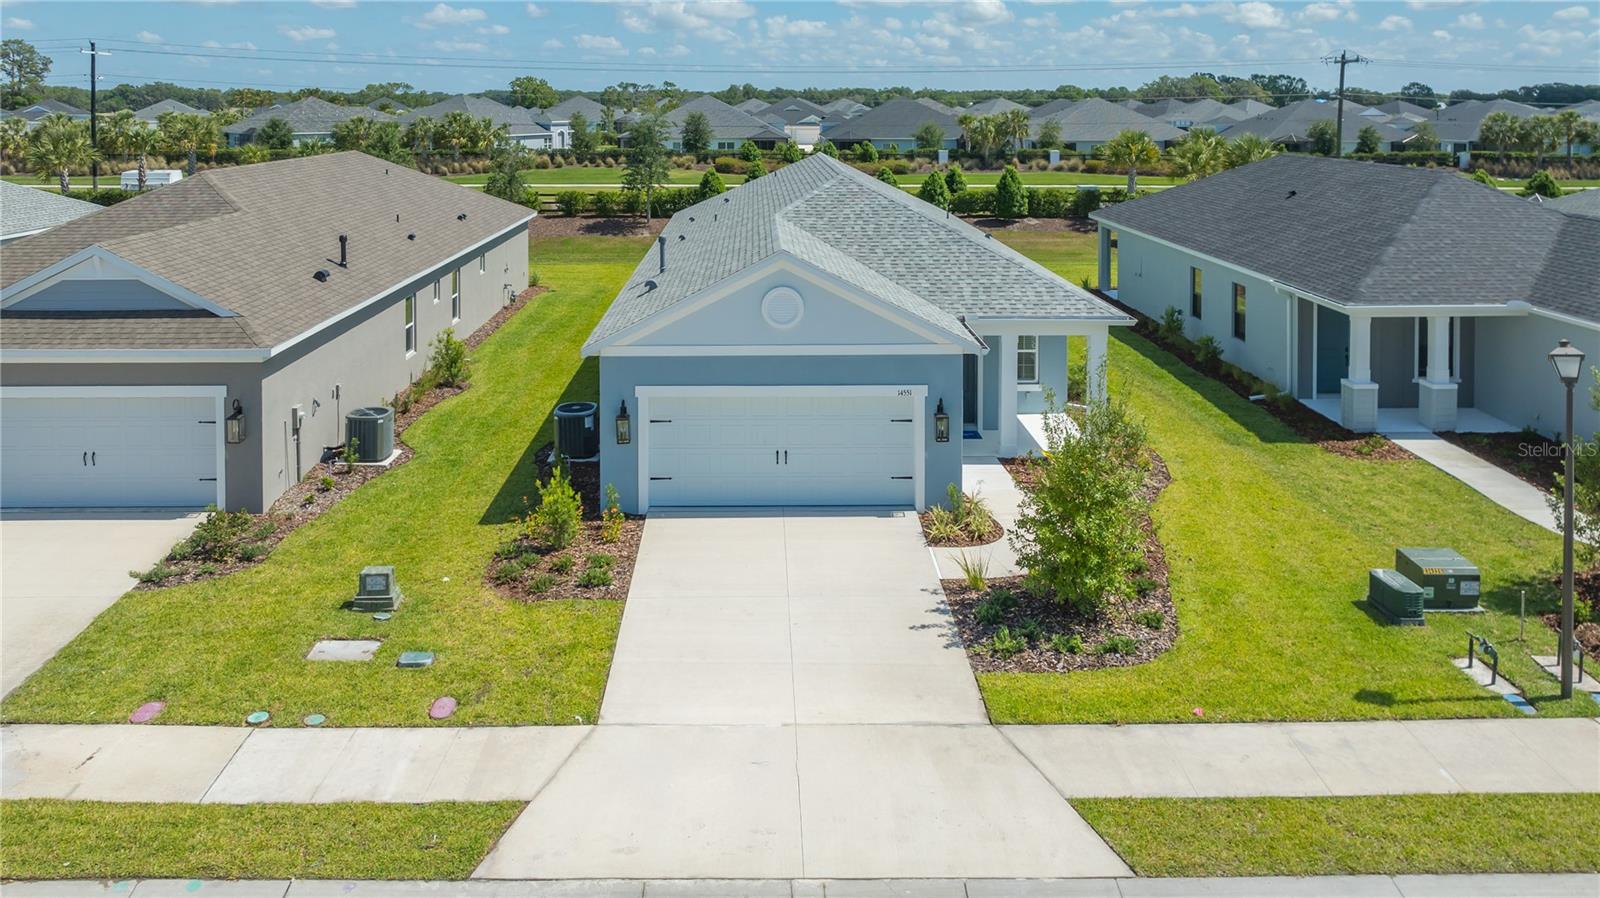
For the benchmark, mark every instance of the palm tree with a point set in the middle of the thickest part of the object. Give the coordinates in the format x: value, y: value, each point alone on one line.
x: 1014, y: 126
x: 1500, y: 130
x: 979, y: 133
x: 352, y: 133
x: 114, y: 130
x: 189, y: 134
x: 1132, y: 149
x: 141, y: 142
x: 13, y: 138
x: 419, y: 136
x: 59, y: 146
x: 456, y: 130
x: 1199, y: 155
x: 1568, y: 126
x: 1248, y: 148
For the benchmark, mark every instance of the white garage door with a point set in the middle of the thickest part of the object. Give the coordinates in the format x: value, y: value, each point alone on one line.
x: 107, y: 451
x: 781, y: 450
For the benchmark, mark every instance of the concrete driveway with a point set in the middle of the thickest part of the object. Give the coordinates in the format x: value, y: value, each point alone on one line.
x: 60, y: 569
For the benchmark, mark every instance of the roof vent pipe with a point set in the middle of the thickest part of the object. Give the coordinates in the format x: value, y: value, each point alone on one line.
x: 344, y: 251
x: 661, y: 242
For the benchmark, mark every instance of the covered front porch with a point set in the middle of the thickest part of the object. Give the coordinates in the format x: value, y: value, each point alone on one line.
x: 1005, y: 391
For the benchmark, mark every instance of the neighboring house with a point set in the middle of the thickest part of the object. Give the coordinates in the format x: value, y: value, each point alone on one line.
x: 730, y: 128
x: 843, y: 109
x: 1385, y: 297
x: 1458, y: 125
x: 389, y: 105
x: 310, y: 118
x: 519, y: 123
x: 1578, y: 202
x: 895, y: 124
x: 799, y: 118
x: 25, y: 211
x: 34, y: 112
x: 1290, y: 125
x: 794, y: 340
x: 1086, y: 124
x: 156, y: 110
x: 129, y: 337
x: 752, y: 106
x: 1404, y: 110
x: 992, y: 106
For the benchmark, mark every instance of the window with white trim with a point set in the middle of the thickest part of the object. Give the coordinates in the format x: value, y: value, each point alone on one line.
x: 1238, y: 311
x: 1027, y: 360
x: 455, y: 295
x: 483, y: 264
x: 411, y: 324
x: 1196, y: 290
x: 435, y: 292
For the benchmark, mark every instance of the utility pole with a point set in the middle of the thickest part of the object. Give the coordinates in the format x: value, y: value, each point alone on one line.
x: 1342, y: 60
x: 94, y: 115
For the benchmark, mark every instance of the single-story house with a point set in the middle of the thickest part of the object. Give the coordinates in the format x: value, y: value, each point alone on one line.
x: 799, y: 118
x: 818, y: 337
x: 895, y: 124
x: 1401, y: 109
x: 25, y: 211
x: 843, y: 108
x: 1088, y: 123
x: 1385, y: 297
x: 310, y: 118
x: 33, y: 113
x: 1458, y: 124
x: 730, y: 128
x: 519, y: 123
x: 154, y: 111
x: 993, y: 106
x: 1290, y: 125
x: 279, y: 296
x: 558, y: 118
x: 752, y: 105
x: 1578, y: 202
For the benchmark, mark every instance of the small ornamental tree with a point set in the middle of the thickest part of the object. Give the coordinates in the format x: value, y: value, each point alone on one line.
x: 954, y: 179
x: 696, y: 133
x: 1322, y: 136
x: 1542, y: 184
x: 1078, y: 535
x: 934, y: 191
x: 710, y: 185
x: 929, y: 136
x: 1010, y: 197
x: 887, y: 176
x: 555, y: 522
x: 866, y: 152
x: 1368, y: 140
x: 826, y: 148
x: 790, y: 152
x: 1049, y: 134
x: 275, y: 134
x: 647, y: 161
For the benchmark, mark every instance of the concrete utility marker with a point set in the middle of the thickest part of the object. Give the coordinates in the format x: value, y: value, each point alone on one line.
x: 1551, y: 885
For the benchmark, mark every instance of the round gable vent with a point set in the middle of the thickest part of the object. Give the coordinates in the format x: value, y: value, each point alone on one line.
x: 782, y: 307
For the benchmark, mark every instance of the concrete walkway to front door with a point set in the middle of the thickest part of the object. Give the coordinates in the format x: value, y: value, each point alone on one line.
x: 1502, y: 487
x: 776, y: 616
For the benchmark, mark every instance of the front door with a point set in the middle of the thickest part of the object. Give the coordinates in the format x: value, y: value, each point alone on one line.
x: 969, y: 390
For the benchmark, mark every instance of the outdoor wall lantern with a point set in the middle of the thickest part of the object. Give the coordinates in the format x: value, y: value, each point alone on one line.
x: 941, y: 424
x: 233, y: 425
x: 624, y: 426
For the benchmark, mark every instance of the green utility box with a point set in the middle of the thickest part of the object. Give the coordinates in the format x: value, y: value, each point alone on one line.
x: 1449, y: 582
x: 376, y: 589
x: 1395, y: 596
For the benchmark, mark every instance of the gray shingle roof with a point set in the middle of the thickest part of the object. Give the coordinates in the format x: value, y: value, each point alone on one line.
x: 1366, y: 234
x: 1461, y: 121
x: 752, y: 105
x: 791, y: 111
x: 1579, y: 202
x: 896, y: 120
x: 880, y: 239
x: 845, y: 107
x: 36, y: 111
x: 727, y: 123
x: 518, y: 121
x: 1094, y: 119
x: 992, y: 106
x: 154, y: 110
x: 1290, y: 124
x: 311, y: 115
x: 562, y: 111
x: 24, y: 209
x: 249, y: 238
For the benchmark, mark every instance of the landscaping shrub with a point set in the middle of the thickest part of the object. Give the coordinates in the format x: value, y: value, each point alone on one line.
x: 730, y: 165
x: 710, y: 185
x: 975, y: 570
x: 954, y: 179
x: 1084, y: 201
x: 1170, y: 328
x: 886, y: 175
x: 1004, y: 644
x: 667, y: 202
x: 1067, y: 645
x: 941, y: 525
x: 217, y: 537
x: 973, y: 201
x: 1049, y: 202
x: 1208, y: 354
x: 572, y: 202
x: 447, y: 359
x: 1078, y: 535
x: 611, y: 518
x: 1117, y: 645
x: 1010, y: 197
x: 934, y: 191
x: 605, y: 204
x: 105, y: 196
x: 1541, y: 184
x: 554, y: 524
x: 1153, y: 620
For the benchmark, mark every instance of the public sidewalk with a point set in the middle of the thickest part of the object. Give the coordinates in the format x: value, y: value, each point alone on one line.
x: 1556, y: 885
x: 1504, y: 489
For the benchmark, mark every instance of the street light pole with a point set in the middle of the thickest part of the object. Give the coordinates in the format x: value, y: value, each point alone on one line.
x: 1568, y: 362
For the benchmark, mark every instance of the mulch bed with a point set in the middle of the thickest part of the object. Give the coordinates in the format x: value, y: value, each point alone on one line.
x: 328, y: 483
x: 1530, y: 456
x: 994, y: 534
x: 1309, y: 425
x: 527, y: 572
x: 1587, y: 635
x: 1079, y: 225
x: 1121, y: 618
x: 589, y: 226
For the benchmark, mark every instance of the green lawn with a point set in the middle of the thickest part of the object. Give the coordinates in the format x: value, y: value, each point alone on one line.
x: 49, y: 839
x: 217, y: 650
x: 1269, y: 540
x: 1368, y: 834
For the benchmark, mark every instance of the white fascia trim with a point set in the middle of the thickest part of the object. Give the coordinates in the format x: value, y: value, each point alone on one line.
x: 785, y: 261
x: 103, y: 356
x: 42, y: 278
x: 780, y: 350
x: 744, y: 390
x: 389, y: 291
x: 1180, y: 248
x: 1068, y: 327
x: 1414, y: 310
x: 1554, y: 316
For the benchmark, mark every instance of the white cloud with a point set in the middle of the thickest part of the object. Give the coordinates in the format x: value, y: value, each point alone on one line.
x: 494, y: 29
x: 1548, y: 41
x: 1255, y: 14
x: 443, y: 14
x: 605, y: 42
x: 989, y: 12
x: 306, y: 33
x: 334, y: 4
x: 240, y: 45
x: 779, y: 27
x: 1421, y: 5
x: 1470, y: 21
x: 534, y: 10
x: 1395, y: 23
x: 1329, y: 11
x: 702, y: 16
x: 459, y: 46
x: 1571, y: 14
x: 16, y: 23
x: 553, y: 43
x: 1441, y: 35
x: 148, y: 37
x: 678, y: 50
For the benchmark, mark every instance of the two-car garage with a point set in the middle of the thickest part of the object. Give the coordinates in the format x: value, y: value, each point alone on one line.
x: 111, y: 447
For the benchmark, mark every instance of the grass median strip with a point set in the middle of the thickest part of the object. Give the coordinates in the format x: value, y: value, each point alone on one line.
x: 50, y: 839
x: 1386, y: 834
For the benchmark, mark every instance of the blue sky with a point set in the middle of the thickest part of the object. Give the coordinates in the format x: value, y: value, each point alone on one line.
x: 708, y: 44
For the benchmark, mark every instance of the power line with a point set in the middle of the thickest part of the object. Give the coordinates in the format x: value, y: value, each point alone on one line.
x: 1343, y: 60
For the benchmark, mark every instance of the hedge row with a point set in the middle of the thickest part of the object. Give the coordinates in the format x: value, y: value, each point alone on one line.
x: 1043, y: 202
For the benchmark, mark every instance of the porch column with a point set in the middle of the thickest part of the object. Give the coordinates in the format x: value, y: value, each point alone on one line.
x: 1436, y: 395
x: 1008, y: 395
x: 1103, y: 272
x: 1096, y: 387
x: 1358, y: 395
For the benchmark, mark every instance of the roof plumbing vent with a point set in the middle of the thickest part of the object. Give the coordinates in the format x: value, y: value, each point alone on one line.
x: 344, y: 251
x: 461, y: 217
x: 661, y: 242
x: 322, y: 275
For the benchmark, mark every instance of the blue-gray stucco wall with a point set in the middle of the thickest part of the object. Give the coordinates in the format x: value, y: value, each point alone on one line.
x: 619, y: 375
x: 1052, y: 375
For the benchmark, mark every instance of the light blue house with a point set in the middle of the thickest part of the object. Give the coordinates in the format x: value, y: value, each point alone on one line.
x: 817, y: 337
x: 1385, y: 297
